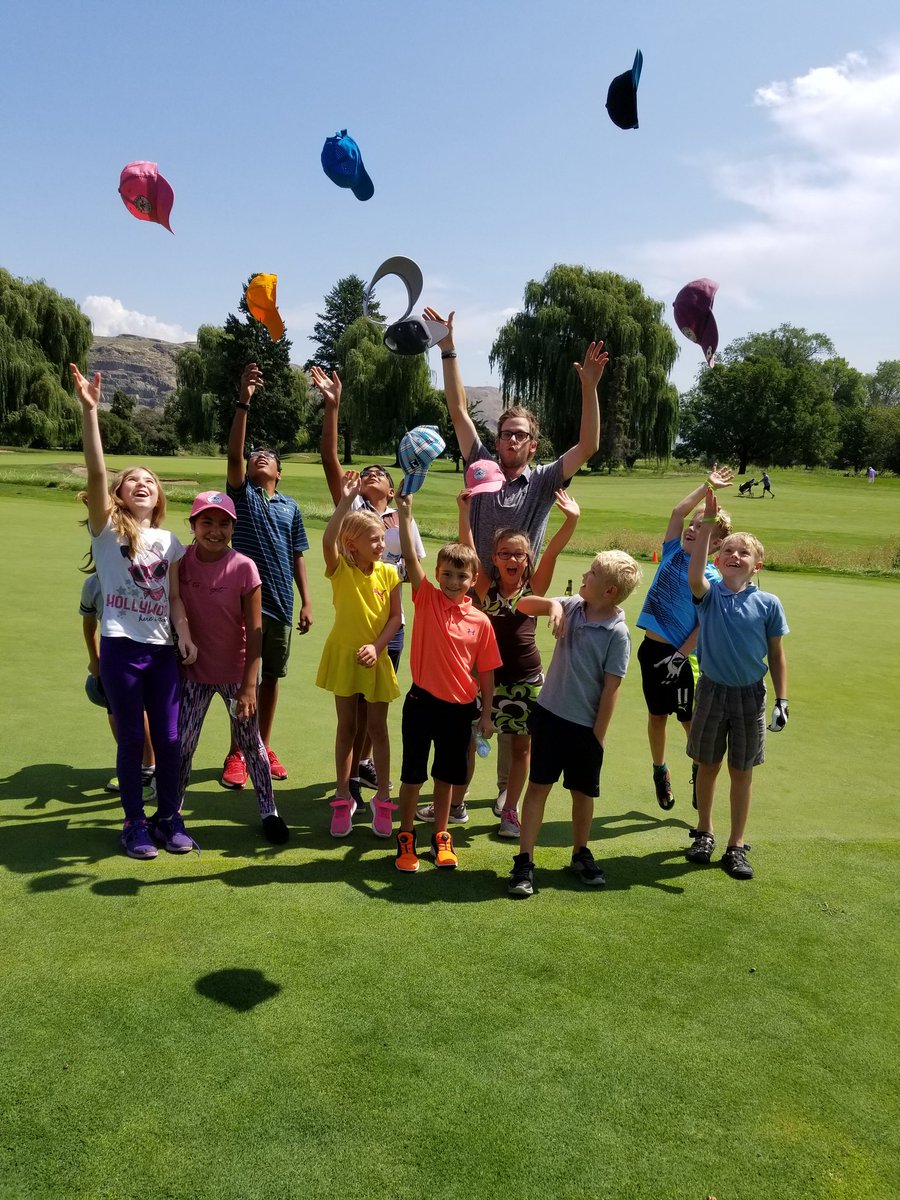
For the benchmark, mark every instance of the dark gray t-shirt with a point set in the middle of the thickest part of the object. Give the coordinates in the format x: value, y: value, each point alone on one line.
x: 522, y: 503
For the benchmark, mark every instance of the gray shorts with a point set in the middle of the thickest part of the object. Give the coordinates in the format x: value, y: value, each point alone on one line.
x: 732, y: 716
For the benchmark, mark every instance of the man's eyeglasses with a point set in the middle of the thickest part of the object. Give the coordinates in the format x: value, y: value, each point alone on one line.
x: 514, y: 435
x: 517, y: 555
x: 370, y: 471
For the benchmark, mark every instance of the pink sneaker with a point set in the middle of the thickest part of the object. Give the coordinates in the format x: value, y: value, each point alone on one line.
x: 342, y: 817
x: 382, y: 820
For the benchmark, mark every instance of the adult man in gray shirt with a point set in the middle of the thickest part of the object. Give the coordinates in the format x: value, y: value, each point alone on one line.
x: 526, y: 499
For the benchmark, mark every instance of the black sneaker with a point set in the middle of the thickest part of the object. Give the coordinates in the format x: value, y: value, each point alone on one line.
x: 702, y: 847
x: 663, y: 784
x: 521, y: 879
x: 275, y: 829
x: 367, y: 776
x: 694, y: 784
x: 355, y: 792
x: 585, y: 867
x: 734, y: 860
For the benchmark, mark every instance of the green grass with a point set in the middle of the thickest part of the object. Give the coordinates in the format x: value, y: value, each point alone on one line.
x: 677, y: 1036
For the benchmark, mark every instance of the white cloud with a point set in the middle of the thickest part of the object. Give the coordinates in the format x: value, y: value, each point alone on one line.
x: 822, y: 205
x: 110, y: 317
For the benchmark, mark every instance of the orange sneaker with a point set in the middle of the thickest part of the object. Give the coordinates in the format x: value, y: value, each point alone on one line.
x: 278, y: 771
x: 407, y: 859
x: 442, y: 851
x: 235, y: 773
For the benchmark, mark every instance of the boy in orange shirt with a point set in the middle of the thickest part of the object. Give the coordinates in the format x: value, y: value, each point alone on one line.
x: 450, y: 639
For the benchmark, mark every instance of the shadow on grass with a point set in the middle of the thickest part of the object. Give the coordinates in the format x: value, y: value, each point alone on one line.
x: 658, y: 870
x: 240, y: 988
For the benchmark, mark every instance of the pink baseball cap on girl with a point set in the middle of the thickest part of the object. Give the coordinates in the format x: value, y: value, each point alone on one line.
x: 146, y: 194
x: 485, y: 475
x: 207, y: 500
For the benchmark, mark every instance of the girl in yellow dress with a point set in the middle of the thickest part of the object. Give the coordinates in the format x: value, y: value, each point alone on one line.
x: 366, y: 598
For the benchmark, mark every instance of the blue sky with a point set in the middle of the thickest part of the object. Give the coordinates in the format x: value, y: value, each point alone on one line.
x: 768, y: 158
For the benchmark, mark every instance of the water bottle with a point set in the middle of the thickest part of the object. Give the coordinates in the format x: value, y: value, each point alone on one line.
x: 569, y: 588
x: 482, y: 746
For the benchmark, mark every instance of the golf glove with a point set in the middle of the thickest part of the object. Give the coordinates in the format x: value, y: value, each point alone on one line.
x: 779, y: 716
x: 674, y: 664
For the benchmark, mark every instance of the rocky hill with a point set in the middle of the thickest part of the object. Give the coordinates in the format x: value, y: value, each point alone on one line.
x: 141, y: 367
x: 145, y: 368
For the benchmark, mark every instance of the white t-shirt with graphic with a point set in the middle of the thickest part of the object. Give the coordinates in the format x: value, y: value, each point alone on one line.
x: 136, y: 592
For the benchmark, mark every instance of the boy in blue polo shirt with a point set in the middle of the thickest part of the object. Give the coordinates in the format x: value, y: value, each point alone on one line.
x: 269, y: 529
x: 574, y: 708
x: 740, y: 628
x: 669, y: 621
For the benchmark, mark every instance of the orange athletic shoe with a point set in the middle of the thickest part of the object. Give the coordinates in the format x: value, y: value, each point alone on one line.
x: 442, y: 851
x: 278, y: 771
x: 407, y: 859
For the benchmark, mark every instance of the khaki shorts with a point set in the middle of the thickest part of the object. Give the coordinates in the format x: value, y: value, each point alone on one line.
x: 276, y: 647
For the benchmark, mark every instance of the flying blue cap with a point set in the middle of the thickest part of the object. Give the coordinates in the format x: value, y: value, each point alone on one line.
x: 621, y: 99
x: 342, y: 163
x: 418, y: 450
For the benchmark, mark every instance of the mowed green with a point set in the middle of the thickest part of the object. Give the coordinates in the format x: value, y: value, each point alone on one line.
x: 304, y: 1021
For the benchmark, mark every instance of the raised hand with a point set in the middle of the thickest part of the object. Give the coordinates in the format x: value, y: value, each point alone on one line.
x: 350, y: 485
x: 464, y: 501
x: 87, y: 393
x: 330, y: 388
x: 430, y: 315
x: 720, y: 477
x: 595, y: 360
x: 567, y: 504
x: 251, y: 379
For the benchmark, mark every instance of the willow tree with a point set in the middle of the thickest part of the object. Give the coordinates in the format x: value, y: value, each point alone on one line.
x: 41, y: 332
x: 570, y: 307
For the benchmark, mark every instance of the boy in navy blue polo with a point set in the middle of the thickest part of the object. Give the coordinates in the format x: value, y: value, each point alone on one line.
x: 269, y: 529
x: 740, y: 628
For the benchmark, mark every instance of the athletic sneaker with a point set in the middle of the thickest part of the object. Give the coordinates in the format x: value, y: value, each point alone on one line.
x: 694, y: 784
x: 342, y: 817
x: 509, y: 824
x: 407, y: 859
x: 702, y: 847
x: 442, y: 851
x: 171, y: 833
x: 521, y: 879
x: 136, y: 839
x: 278, y: 771
x: 367, y: 776
x: 734, y: 860
x: 355, y: 790
x: 148, y: 783
x: 382, y: 817
x: 663, y: 784
x: 585, y: 867
x: 235, y: 773
x: 275, y: 829
x: 499, y: 803
x: 459, y: 813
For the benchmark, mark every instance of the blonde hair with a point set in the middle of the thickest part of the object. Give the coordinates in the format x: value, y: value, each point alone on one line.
x: 463, y: 558
x: 354, y: 525
x: 517, y: 535
x: 747, y: 539
x: 122, y: 521
x: 620, y: 569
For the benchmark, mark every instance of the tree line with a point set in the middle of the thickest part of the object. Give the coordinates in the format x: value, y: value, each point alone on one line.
x: 778, y: 398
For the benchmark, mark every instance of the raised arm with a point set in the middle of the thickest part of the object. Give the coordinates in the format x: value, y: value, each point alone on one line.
x: 251, y: 379
x: 590, y: 372
x: 719, y: 477
x: 699, y: 584
x: 349, y: 491
x: 97, y: 488
x: 467, y: 538
x: 331, y: 389
x: 414, y: 571
x: 543, y: 575
x: 466, y: 433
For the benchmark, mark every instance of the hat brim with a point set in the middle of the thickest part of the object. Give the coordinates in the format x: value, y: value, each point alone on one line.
x: 362, y: 186
x: 411, y: 483
x: 486, y: 485
x: 408, y: 272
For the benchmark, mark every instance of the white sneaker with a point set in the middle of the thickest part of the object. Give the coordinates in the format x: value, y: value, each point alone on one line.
x: 499, y: 803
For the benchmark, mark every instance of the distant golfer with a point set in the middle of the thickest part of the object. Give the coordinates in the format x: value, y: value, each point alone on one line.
x: 870, y: 475
x: 767, y: 485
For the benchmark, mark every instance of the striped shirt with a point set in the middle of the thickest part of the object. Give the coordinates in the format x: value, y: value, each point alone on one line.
x: 269, y: 529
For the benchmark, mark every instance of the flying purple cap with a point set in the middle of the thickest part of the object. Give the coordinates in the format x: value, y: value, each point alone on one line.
x: 694, y: 317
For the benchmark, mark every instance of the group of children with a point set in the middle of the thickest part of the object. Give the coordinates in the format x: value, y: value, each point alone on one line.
x: 180, y: 625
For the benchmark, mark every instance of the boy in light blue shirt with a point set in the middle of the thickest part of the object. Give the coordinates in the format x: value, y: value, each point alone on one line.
x: 741, y: 628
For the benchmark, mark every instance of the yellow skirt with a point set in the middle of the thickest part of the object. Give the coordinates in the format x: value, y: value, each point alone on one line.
x: 340, y: 673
